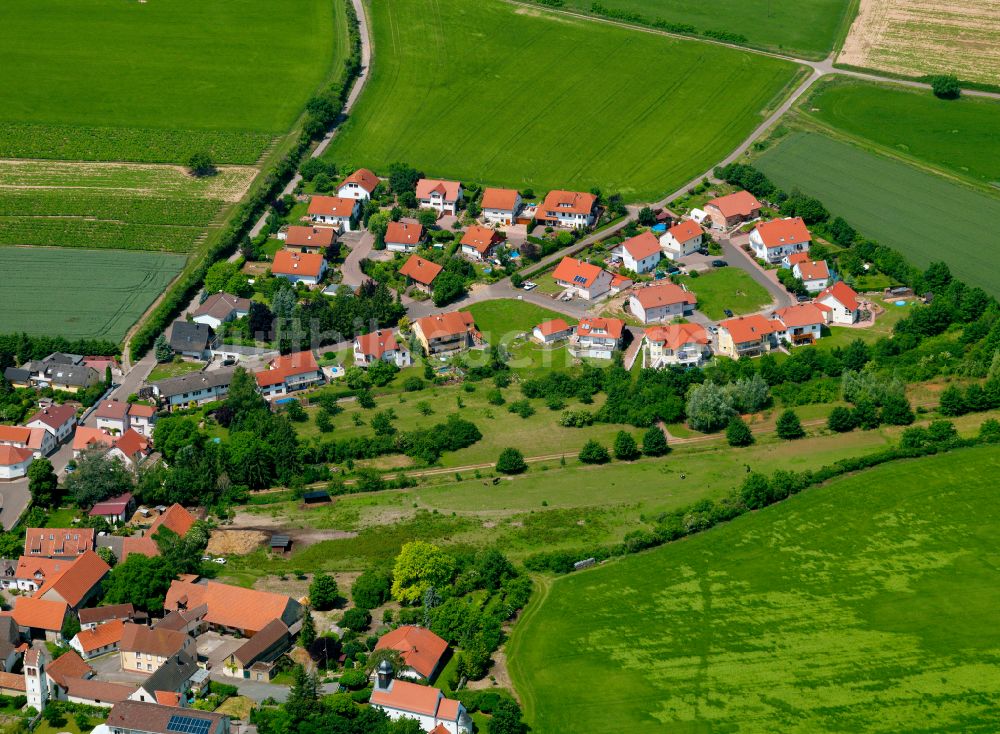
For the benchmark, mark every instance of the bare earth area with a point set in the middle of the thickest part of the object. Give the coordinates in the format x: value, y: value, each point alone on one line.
x: 917, y: 37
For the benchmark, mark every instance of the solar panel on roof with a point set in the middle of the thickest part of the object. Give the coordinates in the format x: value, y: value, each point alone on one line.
x: 579, y: 279
x: 188, y: 725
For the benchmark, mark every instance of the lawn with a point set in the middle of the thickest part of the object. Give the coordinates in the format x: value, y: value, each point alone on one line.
x: 176, y: 368
x: 893, y: 202
x: 806, y: 28
x: 156, y: 81
x: 955, y: 135
x: 80, y: 294
x: 551, y: 102
x: 505, y: 317
x: 730, y: 288
x: 865, y: 605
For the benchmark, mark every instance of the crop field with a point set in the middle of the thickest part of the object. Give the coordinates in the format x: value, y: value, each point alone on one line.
x: 550, y: 102
x: 927, y: 37
x: 892, y: 202
x: 79, y: 293
x: 112, y: 205
x: 805, y: 28
x: 864, y: 605
x: 156, y: 81
x: 955, y: 135
x: 730, y: 288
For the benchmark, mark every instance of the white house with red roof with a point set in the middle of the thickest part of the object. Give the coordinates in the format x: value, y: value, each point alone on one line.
x: 131, y: 449
x: 686, y: 345
x: 661, y: 301
x: 732, y: 209
x: 597, y: 337
x: 748, y: 335
x: 684, y: 238
x: 479, y: 243
x: 400, y: 699
x: 289, y: 373
x: 421, y: 651
x: 403, y: 236
x: 40, y: 441
x: 775, y: 240
x: 304, y: 239
x: 640, y: 254
x: 841, y: 303
x: 56, y: 419
x: 571, y: 209
x: 112, y: 416
x: 814, y: 274
x: 359, y: 185
x: 500, y: 206
x: 14, y: 461
x: 420, y: 272
x: 299, y: 267
x: 380, y: 345
x: 803, y: 323
x: 444, y: 333
x: 443, y: 196
x: 582, y: 279
x: 336, y: 211
x: 551, y: 331
x: 142, y: 419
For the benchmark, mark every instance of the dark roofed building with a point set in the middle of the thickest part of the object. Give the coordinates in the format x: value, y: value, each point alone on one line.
x: 172, y: 676
x: 135, y: 717
x: 255, y: 658
x: 99, y: 615
x: 194, y: 389
x: 191, y: 340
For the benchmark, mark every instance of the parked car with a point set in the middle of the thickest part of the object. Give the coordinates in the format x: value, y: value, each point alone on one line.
x: 803, y: 298
x: 728, y: 313
x: 220, y: 561
x: 719, y: 263
x: 528, y: 285
x: 673, y: 270
x: 713, y: 329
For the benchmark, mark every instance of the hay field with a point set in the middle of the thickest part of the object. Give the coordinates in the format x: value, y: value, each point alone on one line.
x: 918, y: 37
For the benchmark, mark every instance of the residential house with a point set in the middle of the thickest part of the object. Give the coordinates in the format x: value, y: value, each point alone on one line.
x: 70, y: 678
x: 56, y: 419
x: 189, y: 621
x: 582, y: 279
x: 359, y: 185
x: 192, y: 340
x: 77, y: 583
x: 775, y: 240
x: 59, y: 371
x: 94, y: 616
x: 640, y: 254
x: 11, y: 645
x: 135, y: 717
x: 420, y: 273
x: 400, y: 699
x: 403, y: 236
x: 88, y: 439
x: 339, y: 212
x: 597, y: 337
x: 169, y: 682
x: 684, y: 345
x: 478, y: 243
x: 131, y: 449
x: 61, y: 543
x: 220, y: 308
x: 29, y: 574
x: 684, y: 238
x: 188, y: 391
x: 103, y: 638
x: 112, y: 416
x: 381, y: 344
x: 40, y: 441
x: 444, y: 333
x: 747, y: 335
x: 255, y: 658
x: 313, y: 240
x: 115, y: 510
x: 422, y: 652
x: 841, y: 302
x: 803, y: 323
x: 728, y: 211
x: 552, y: 331
x: 233, y: 609
x: 567, y: 209
x: 661, y: 301
x: 144, y: 649
x: 298, y: 267
x: 441, y: 195
x: 500, y: 206
x: 814, y: 274
x: 14, y: 462
x: 142, y: 419
x: 619, y: 283
x: 100, y: 365
x: 289, y: 373
x: 40, y: 619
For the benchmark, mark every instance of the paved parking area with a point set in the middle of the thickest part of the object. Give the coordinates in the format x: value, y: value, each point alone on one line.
x: 215, y: 648
x: 108, y: 667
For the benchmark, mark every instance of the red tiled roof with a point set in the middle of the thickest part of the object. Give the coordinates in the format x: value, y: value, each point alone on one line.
x: 309, y: 264
x: 421, y: 270
x: 37, y: 438
x: 114, y: 506
x: 675, y: 336
x: 620, y: 281
x: 141, y: 411
x: 611, y: 327
x: 813, y: 270
x: 11, y: 455
x: 663, y: 294
x: 741, y: 204
x: 289, y: 365
x: 364, y: 178
x: 409, y: 697
x: 797, y: 257
x: 101, y: 636
x: 30, y: 611
x: 447, y: 324
x: 801, y: 314
x: 176, y: 518
x: 482, y: 239
x: 448, y: 709
x: 85, y: 438
x: 576, y: 272
x: 427, y: 186
x: 686, y: 230
x: 49, y: 542
x: 310, y: 236
x: 112, y: 409
x: 781, y: 232
x: 98, y: 690
x: 420, y: 648
x: 229, y: 606
x: 55, y: 415
x: 131, y: 443
x: 12, y: 681
x: 76, y: 581
x: 846, y: 295
x: 377, y: 343
x: 403, y: 233
x: 332, y: 206
x: 572, y: 202
x: 642, y: 245
x: 168, y: 698
x: 15, y: 434
x: 151, y: 640
x: 68, y: 665
x: 749, y: 328
x: 33, y: 568
x: 547, y: 328
x: 504, y: 199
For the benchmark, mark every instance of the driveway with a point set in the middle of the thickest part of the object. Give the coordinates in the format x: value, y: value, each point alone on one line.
x: 361, y: 244
x: 258, y: 690
x: 215, y: 648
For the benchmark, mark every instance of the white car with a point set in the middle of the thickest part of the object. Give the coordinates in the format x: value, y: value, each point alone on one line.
x: 528, y: 285
x: 206, y: 558
x: 220, y: 561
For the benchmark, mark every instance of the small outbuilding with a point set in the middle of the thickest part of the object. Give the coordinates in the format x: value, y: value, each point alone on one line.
x: 315, y: 496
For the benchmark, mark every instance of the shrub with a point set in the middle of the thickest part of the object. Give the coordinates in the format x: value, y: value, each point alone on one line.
x: 896, y: 411
x: 789, y: 426
x: 625, y: 447
x: 866, y: 415
x: 946, y: 86
x: 354, y: 679
x: 654, y: 443
x: 495, y: 397
x: 413, y: 384
x: 738, y: 432
x: 593, y: 453
x: 371, y: 589
x: 953, y: 402
x: 522, y: 408
x: 356, y: 620
x: 511, y: 461
x: 323, y: 592
x: 755, y: 491
x: 841, y: 420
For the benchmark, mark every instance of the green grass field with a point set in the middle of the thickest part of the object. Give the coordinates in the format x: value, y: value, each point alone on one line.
x: 954, y: 135
x: 550, y: 102
x: 866, y: 605
x: 80, y: 293
x: 805, y: 28
x: 893, y: 202
x: 157, y: 81
x: 730, y: 288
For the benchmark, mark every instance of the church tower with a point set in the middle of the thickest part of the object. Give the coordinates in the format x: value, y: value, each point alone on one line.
x: 36, y: 683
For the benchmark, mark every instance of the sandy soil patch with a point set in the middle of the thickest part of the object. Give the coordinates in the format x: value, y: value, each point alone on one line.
x: 267, y: 525
x: 917, y: 37
x: 235, y: 542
